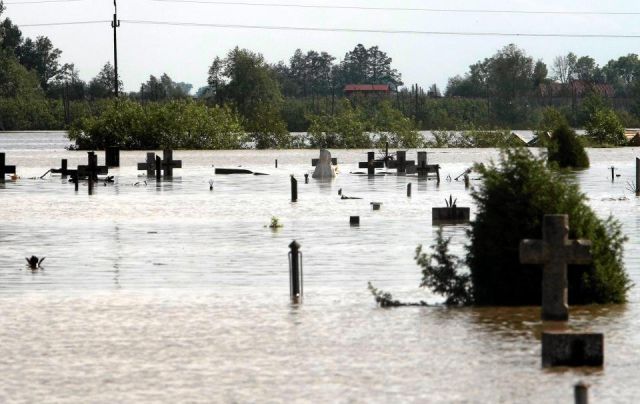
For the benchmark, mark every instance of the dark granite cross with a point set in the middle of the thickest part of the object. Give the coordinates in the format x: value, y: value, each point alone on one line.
x: 555, y: 251
x: 63, y: 170
x: 5, y: 169
x: 401, y: 163
x: 371, y: 164
x: 168, y: 163
x: 149, y: 165
x: 92, y: 169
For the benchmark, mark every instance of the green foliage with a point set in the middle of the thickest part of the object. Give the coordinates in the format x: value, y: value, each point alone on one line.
x: 384, y: 299
x: 604, y: 128
x: 511, y: 204
x: 444, y: 276
x: 392, y: 127
x: 346, y: 130
x: 566, y: 150
x: 474, y: 138
x: 176, y: 124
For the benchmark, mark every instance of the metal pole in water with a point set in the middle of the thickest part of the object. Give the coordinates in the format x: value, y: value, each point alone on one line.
x: 409, y: 190
x: 581, y: 393
x: 295, y: 271
x: 294, y: 189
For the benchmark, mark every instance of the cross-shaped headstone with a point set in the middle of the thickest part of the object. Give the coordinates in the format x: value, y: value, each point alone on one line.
x: 371, y: 164
x: 149, y: 165
x: 168, y: 163
x: 555, y: 251
x: 401, y: 163
x: 314, y: 162
x: 92, y: 169
x: 5, y: 169
x: 63, y: 170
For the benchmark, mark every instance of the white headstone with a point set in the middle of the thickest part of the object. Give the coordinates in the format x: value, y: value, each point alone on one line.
x: 324, y: 169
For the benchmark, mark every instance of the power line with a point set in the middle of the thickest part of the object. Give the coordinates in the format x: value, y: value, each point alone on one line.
x: 432, y: 10
x: 49, y: 24
x: 381, y: 31
x: 40, y: 2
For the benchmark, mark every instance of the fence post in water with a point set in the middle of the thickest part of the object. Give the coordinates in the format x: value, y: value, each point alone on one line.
x: 637, y: 176
x: 581, y: 393
x: 466, y: 181
x: 612, y: 173
x: 409, y: 190
x: 295, y: 271
x: 2, y: 173
x: 158, y: 168
x: 276, y: 163
x: 306, y: 178
x: 294, y: 189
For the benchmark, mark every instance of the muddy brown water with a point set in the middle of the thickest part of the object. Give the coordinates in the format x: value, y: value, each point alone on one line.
x: 168, y: 292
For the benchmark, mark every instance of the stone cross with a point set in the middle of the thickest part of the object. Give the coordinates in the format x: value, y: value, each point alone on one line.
x: 371, y: 163
x: 92, y: 169
x: 401, y: 163
x: 149, y: 164
x: 168, y: 163
x: 555, y: 251
x: 5, y: 169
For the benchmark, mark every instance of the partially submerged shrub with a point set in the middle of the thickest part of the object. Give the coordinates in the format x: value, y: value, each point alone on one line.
x: 511, y: 204
x: 441, y: 272
x: 566, y: 150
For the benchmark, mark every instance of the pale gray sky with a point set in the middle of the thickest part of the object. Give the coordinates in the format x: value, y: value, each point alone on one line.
x: 185, y: 53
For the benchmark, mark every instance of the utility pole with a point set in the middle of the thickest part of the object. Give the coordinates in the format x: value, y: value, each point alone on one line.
x: 115, y: 24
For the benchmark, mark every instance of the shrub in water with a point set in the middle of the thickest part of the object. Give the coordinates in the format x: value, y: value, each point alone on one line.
x: 566, y: 150
x: 511, y: 204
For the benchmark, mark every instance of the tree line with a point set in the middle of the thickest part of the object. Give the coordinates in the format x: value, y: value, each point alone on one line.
x: 306, y: 93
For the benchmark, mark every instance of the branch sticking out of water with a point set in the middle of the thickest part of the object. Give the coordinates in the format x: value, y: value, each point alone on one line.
x: 385, y: 299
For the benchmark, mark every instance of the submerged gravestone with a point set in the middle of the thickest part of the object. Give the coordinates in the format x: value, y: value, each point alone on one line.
x: 555, y: 251
x: 371, y: 164
x: 149, y: 165
x: 402, y: 164
x: 563, y: 348
x: 324, y: 168
x: 5, y: 169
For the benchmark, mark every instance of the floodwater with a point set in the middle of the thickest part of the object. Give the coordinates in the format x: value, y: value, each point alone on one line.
x: 170, y: 292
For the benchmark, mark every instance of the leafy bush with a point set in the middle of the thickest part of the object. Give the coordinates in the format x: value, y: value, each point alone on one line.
x: 473, y: 138
x: 345, y: 130
x: 566, y: 150
x: 604, y: 128
x: 444, y: 277
x: 176, y: 124
x: 511, y: 204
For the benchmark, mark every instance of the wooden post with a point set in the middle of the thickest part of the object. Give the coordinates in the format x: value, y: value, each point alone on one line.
x: 581, y: 393
x: 76, y: 182
x: 306, y: 178
x: 112, y: 156
x: 612, y: 173
x: 466, y: 181
x: 295, y: 271
x: 409, y: 190
x: 294, y: 189
x: 2, y: 173
x: 64, y: 168
x: 276, y: 163
x: 158, y: 168
x: 354, y: 220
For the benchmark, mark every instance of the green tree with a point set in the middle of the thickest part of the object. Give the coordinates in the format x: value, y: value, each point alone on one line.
x: 566, y: 150
x: 604, y: 128
x: 516, y: 194
x: 346, y: 130
x: 41, y: 57
x: 102, y: 86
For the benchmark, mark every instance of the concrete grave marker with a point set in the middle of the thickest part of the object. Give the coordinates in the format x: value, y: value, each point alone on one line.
x: 168, y: 163
x: 401, y: 163
x: 324, y: 169
x: 371, y: 164
x: 149, y: 165
x: 555, y: 251
x: 5, y: 169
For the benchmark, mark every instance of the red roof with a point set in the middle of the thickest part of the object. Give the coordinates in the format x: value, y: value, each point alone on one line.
x: 366, y: 87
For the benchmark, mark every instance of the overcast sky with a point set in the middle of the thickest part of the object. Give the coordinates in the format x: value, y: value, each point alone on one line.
x: 185, y: 53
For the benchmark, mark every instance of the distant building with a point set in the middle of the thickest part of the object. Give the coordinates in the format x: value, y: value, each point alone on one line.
x: 367, y: 89
x: 575, y: 88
